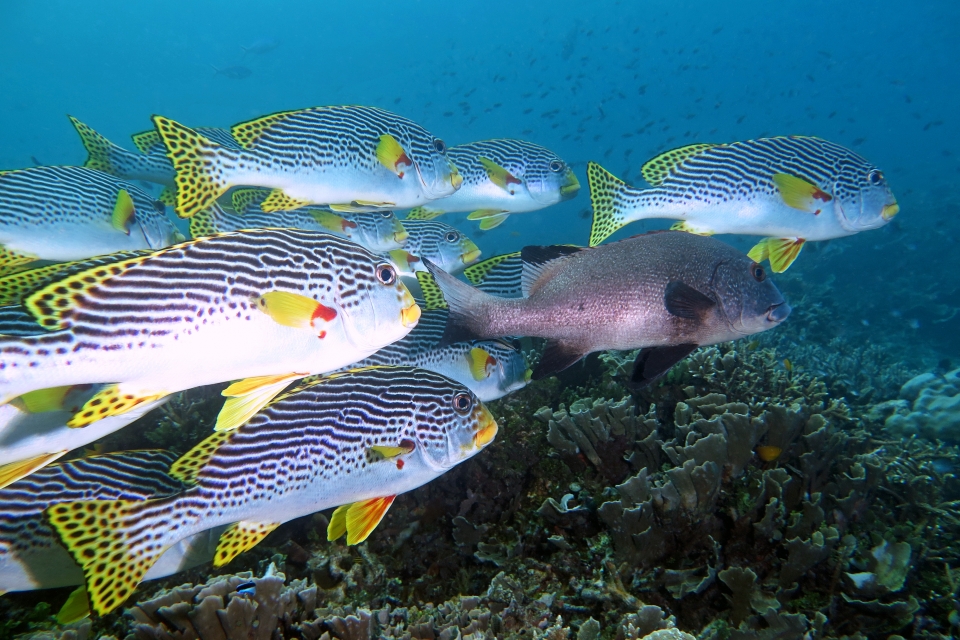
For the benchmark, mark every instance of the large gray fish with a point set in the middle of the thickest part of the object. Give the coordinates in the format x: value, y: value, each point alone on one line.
x: 72, y: 213
x: 353, y: 440
x: 666, y: 292
x: 349, y: 157
x: 791, y: 188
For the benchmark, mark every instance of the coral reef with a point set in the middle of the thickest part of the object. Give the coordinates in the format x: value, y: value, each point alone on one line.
x: 929, y: 406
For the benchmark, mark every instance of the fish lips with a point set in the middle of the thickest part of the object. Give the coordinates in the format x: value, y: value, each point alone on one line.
x: 777, y: 313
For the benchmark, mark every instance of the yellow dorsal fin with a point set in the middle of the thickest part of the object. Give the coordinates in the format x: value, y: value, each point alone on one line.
x: 780, y: 251
x: 480, y: 362
x: 77, y: 607
x: 248, y: 396
x: 331, y: 221
x: 390, y: 153
x: 242, y: 199
x: 168, y: 196
x: 358, y: 520
x: 432, y: 294
x: 43, y: 400
x: 295, y: 310
x: 123, y: 212
x: 477, y: 273
x: 187, y: 467
x: 799, y: 194
x: 424, y: 213
x: 499, y: 176
x: 247, y: 133
x: 279, y: 201
x: 13, y: 471
x: 111, y: 401
x: 656, y: 170
x: 492, y: 222
x: 145, y: 140
x: 11, y: 261
x: 239, y: 537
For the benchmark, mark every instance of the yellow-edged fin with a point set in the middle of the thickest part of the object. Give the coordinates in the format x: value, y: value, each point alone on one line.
x: 239, y: 537
x: 11, y: 261
x: 360, y: 206
x: 187, y: 467
x: 480, y: 214
x: 477, y: 273
x: 392, y: 156
x: 168, y: 196
x: 331, y: 221
x: 77, y: 607
x: 247, y: 133
x: 146, y: 140
x: 358, y: 520
x: 123, y: 212
x: 489, y: 223
x: 780, y: 251
x: 799, y: 194
x: 604, y: 191
x: 203, y: 224
x: 656, y: 170
x: 44, y: 400
x: 97, y: 533
x: 391, y: 452
x: 13, y: 471
x: 277, y: 200
x: 248, y: 396
x: 97, y: 146
x: 686, y: 227
x: 110, y: 401
x: 480, y: 361
x: 432, y: 294
x: 294, y: 310
x: 242, y: 199
x: 423, y: 213
x: 498, y: 175
x: 198, y: 180
x: 403, y: 259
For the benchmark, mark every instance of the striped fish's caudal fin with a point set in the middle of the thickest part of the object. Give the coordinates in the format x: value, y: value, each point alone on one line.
x: 781, y: 252
x: 110, y: 540
x: 605, y: 192
x: 102, y: 154
x: 465, y: 305
x: 200, y: 177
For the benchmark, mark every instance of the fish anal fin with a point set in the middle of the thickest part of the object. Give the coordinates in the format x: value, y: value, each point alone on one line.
x: 477, y: 273
x: 247, y: 133
x: 556, y: 357
x: 481, y: 363
x: 491, y: 222
x: 539, y: 261
x: 360, y: 206
x: 657, y: 169
x: 359, y: 519
x: 248, y: 396
x: 187, y: 467
x: 239, y: 537
x: 605, y: 190
x: 499, y: 175
x: 112, y: 400
x: 44, y: 400
x: 800, y: 194
x: 687, y: 227
x: 199, y: 179
x: 11, y: 261
x: 297, y: 311
x: 123, y: 212
x: 203, y: 224
x: 391, y: 155
x: 424, y: 213
x: 780, y: 251
x: 242, y: 199
x: 653, y: 362
x: 13, y: 471
x: 146, y: 140
x: 77, y: 606
x: 280, y: 201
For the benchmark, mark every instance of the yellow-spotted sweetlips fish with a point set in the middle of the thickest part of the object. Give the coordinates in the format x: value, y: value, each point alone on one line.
x: 34, y: 431
x: 449, y: 249
x: 378, y: 231
x: 351, y: 158
x: 791, y: 189
x: 31, y: 555
x: 71, y: 213
x: 664, y: 292
x: 502, y: 177
x: 489, y: 368
x: 266, y: 306
x: 150, y: 163
x: 353, y: 440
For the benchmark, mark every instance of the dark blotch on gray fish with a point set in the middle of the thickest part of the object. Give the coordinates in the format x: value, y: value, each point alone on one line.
x: 664, y: 292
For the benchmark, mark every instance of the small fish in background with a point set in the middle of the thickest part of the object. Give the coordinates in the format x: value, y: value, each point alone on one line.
x: 442, y: 244
x: 261, y: 46
x: 233, y: 72
x: 792, y: 189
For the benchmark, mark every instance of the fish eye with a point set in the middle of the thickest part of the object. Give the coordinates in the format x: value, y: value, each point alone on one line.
x: 439, y: 145
x: 387, y: 214
x: 556, y: 166
x: 462, y: 403
x: 452, y: 236
x: 386, y: 274
x: 875, y: 177
x: 159, y: 206
x: 757, y: 272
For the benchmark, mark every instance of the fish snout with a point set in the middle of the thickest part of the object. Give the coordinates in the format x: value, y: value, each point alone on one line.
x: 777, y: 313
x: 570, y: 186
x: 455, y: 178
x: 487, y: 428
x: 889, y: 210
x: 471, y: 252
x: 410, y: 314
x: 400, y: 235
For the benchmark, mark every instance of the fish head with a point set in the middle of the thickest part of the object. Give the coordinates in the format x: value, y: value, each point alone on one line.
x: 864, y: 198
x: 452, y: 424
x: 511, y: 370
x: 379, y: 231
x: 439, y: 177
x: 548, y: 178
x: 442, y: 244
x: 749, y: 302
x: 377, y: 308
x: 157, y: 228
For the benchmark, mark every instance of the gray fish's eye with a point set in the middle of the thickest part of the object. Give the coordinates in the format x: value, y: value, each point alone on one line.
x: 462, y: 403
x: 386, y: 274
x: 875, y: 176
x: 556, y: 166
x: 452, y: 236
x: 757, y: 272
x: 439, y: 145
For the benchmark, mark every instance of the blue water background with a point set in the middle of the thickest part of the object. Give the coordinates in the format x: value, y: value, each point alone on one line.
x: 614, y: 82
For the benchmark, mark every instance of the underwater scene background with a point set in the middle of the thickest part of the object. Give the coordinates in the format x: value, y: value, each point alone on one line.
x: 799, y: 483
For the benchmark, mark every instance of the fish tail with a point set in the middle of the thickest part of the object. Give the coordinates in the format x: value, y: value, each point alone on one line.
x: 114, y: 541
x: 102, y: 154
x: 200, y: 176
x: 467, y: 307
x: 607, y: 199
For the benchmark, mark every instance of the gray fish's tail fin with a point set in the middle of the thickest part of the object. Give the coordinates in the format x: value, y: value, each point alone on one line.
x: 465, y: 305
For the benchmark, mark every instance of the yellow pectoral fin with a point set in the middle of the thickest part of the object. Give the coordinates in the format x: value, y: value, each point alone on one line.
x: 393, y: 452
x: 248, y: 396
x: 110, y: 401
x: 759, y: 251
x: 280, y: 201
x: 123, y: 212
x: 800, y: 194
x: 13, y: 471
x: 77, y: 607
x: 780, y: 251
x: 423, y: 213
x: 392, y: 156
x: 499, y: 176
x: 43, y: 400
x: 489, y: 223
x: 358, y: 520
x: 239, y: 537
x: 480, y: 362
x: 295, y: 310
x: 403, y: 259
x: 333, y: 222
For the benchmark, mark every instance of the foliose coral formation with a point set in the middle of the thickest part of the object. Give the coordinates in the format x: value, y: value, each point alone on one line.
x: 929, y: 406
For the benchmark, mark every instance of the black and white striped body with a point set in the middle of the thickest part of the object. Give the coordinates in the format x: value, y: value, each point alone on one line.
x: 442, y: 244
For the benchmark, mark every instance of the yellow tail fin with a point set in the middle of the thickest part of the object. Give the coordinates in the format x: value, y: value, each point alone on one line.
x: 603, y: 189
x: 200, y: 180
x: 100, y: 151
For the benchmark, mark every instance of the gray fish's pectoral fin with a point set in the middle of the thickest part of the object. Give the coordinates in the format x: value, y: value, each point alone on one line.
x: 653, y: 362
x: 684, y: 301
x: 556, y: 357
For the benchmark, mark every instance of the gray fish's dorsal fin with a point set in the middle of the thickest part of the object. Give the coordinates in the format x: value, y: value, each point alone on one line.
x: 539, y: 260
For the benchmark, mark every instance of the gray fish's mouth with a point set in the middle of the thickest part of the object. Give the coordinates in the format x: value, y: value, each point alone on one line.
x: 777, y: 313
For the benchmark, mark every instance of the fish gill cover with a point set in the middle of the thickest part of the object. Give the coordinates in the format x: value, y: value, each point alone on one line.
x: 799, y: 482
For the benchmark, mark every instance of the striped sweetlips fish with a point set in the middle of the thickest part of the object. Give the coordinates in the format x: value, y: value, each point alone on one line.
x: 353, y: 440
x: 352, y: 158
x: 501, y: 177
x: 792, y: 189
x: 266, y: 305
x: 71, y: 213
x: 443, y: 245
x: 31, y: 556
